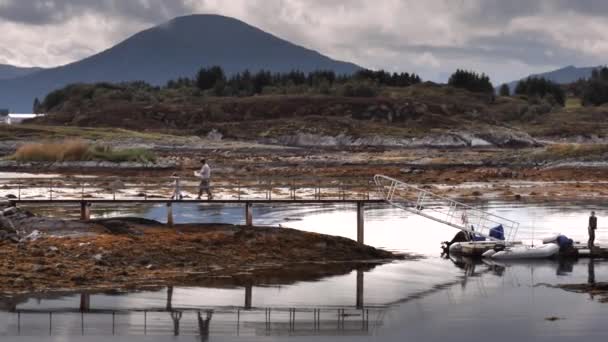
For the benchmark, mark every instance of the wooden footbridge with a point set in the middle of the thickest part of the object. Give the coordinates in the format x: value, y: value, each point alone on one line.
x: 87, y: 191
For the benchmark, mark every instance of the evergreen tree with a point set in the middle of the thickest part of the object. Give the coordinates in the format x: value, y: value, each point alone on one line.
x: 504, y: 90
x: 595, y: 90
x: 541, y: 87
x: 207, y: 77
x: 36, y: 106
x: 471, y: 81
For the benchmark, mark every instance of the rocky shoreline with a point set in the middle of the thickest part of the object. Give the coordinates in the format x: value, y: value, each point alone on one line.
x: 135, y: 253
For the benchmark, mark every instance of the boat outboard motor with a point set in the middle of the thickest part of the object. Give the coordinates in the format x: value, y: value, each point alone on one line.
x: 461, y: 236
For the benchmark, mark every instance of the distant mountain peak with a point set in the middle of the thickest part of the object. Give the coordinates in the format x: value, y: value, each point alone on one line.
x: 176, y: 48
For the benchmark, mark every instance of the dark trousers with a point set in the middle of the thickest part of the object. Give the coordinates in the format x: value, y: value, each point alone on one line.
x: 591, y: 237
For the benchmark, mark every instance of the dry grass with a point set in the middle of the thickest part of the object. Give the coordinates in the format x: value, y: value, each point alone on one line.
x: 79, y: 150
x: 67, y: 150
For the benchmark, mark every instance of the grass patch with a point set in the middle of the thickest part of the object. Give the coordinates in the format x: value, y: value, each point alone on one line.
x: 573, y: 151
x: 79, y: 150
x: 30, y: 131
x: 573, y: 103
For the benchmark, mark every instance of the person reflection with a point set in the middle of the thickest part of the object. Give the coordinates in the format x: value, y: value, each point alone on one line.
x: 176, y: 316
x: 203, y: 325
x: 591, y: 271
x: 591, y: 275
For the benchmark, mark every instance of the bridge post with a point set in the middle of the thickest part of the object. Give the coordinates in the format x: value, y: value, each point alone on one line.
x: 85, y: 302
x: 170, y: 214
x: 248, y: 214
x: 360, y: 222
x: 85, y: 211
x: 359, y: 300
x: 248, y: 295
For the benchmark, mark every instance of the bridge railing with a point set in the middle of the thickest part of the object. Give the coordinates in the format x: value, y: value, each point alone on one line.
x: 115, y: 188
x: 443, y: 209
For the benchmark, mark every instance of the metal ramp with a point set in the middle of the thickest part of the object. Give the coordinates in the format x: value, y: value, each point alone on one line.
x: 442, y: 209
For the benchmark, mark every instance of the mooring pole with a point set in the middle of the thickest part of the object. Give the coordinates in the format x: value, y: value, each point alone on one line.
x: 248, y: 214
x: 170, y: 214
x: 360, y: 222
x: 85, y: 211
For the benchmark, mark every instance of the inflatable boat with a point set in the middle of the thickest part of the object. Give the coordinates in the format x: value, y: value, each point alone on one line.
x: 474, y: 248
x: 525, y: 252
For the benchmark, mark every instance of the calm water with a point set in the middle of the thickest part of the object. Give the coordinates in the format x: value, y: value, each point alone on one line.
x: 429, y: 299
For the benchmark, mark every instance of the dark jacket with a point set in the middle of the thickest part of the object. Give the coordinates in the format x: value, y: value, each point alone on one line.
x: 593, y: 222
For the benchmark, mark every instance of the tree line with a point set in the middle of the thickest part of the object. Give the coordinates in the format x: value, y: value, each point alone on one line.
x: 246, y: 83
x: 594, y: 91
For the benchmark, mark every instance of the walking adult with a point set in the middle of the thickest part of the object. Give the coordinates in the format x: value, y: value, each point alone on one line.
x: 205, y: 175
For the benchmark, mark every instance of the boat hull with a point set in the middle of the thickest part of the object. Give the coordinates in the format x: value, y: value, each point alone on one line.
x: 526, y: 252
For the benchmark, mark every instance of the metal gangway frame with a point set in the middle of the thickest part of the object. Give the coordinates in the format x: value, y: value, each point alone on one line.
x: 442, y: 209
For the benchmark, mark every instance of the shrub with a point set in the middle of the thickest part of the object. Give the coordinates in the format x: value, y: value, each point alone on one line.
x: 359, y: 89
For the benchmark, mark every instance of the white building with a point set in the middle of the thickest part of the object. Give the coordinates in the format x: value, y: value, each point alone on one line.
x: 17, y: 118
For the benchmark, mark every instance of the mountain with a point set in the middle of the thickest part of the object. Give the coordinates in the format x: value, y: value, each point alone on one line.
x: 564, y: 75
x: 174, y: 49
x: 10, y: 71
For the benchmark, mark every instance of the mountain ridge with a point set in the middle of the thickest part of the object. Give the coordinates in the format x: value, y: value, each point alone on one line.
x: 177, y: 48
x: 8, y: 71
x: 565, y: 75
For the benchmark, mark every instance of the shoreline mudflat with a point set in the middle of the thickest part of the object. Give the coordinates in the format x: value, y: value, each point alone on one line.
x: 124, y: 254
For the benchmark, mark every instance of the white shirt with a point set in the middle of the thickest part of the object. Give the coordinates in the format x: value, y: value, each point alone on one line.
x: 205, y: 172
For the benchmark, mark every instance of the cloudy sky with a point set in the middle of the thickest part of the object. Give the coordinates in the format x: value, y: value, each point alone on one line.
x: 506, y: 39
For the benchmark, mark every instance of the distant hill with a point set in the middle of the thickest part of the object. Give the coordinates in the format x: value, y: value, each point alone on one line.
x: 564, y: 75
x: 10, y: 71
x: 174, y: 49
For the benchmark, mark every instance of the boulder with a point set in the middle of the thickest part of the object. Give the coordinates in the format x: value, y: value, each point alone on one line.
x: 9, y: 211
x: 6, y: 225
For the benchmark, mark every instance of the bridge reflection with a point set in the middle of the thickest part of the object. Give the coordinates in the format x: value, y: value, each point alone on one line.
x: 85, y: 319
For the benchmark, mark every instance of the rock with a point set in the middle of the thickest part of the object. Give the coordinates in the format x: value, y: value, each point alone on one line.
x: 150, y: 267
x: 33, y: 236
x: 39, y: 268
x: 53, y: 249
x: 12, y: 237
x: 7, y: 225
x: 406, y: 170
x: 98, y: 257
x: 9, y: 211
x: 11, y: 196
x: 214, y: 135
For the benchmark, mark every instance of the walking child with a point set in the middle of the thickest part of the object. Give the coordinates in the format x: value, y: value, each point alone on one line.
x: 177, y: 194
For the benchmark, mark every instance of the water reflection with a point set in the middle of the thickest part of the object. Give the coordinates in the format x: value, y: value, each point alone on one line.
x: 183, y: 311
x: 427, y: 299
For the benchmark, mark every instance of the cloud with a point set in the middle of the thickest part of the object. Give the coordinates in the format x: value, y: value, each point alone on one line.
x: 506, y: 39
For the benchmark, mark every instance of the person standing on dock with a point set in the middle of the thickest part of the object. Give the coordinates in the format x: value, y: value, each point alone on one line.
x: 592, y: 227
x: 205, y: 175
